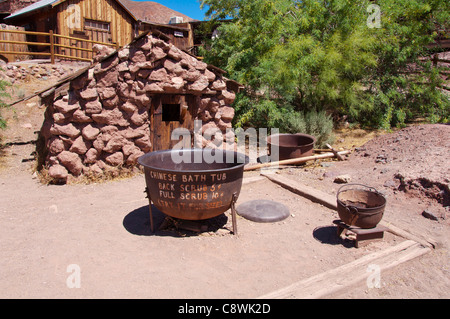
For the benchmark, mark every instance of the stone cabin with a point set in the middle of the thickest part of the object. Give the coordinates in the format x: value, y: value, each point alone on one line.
x: 127, y: 104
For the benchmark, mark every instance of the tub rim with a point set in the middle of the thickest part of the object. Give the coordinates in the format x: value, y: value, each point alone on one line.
x: 155, y: 153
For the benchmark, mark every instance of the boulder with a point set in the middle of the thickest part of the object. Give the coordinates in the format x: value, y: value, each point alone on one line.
x: 228, y: 96
x: 55, y: 146
x: 106, y: 92
x: 79, y: 116
x: 58, y: 172
x: 111, y: 117
x: 91, y: 156
x: 89, y: 94
x: 68, y: 130
x: 64, y: 107
x: 128, y: 107
x: 80, y: 146
x: 226, y: 113
x: 159, y: 75
x: 115, y: 144
x: 137, y: 56
x: 71, y: 161
x: 218, y: 85
x: 108, y: 79
x: 158, y: 54
x: 93, y: 107
x: 101, y: 51
x: 199, y: 85
x: 342, y: 179
x: 115, y: 159
x: 124, y: 53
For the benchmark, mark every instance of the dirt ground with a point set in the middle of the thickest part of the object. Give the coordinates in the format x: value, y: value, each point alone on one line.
x: 103, y: 228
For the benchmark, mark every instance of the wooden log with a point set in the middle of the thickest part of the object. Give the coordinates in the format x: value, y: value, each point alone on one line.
x: 350, y: 274
x: 294, y: 161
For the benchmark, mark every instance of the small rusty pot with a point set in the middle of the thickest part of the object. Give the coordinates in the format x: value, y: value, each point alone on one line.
x: 193, y: 184
x: 292, y: 145
x: 358, y: 207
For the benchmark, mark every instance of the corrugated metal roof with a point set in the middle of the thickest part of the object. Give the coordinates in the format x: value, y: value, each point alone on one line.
x: 31, y: 8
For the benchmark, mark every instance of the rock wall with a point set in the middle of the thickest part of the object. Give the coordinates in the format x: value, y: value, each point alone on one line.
x: 102, y: 122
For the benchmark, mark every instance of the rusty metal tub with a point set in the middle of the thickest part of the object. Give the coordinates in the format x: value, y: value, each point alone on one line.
x: 360, y: 205
x: 193, y: 184
x: 292, y: 145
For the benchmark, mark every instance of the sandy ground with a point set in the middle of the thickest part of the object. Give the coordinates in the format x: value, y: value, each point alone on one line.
x: 50, y: 234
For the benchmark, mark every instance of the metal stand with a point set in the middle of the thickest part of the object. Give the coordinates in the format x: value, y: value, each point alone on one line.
x: 363, y: 236
x: 233, y: 213
x: 150, y: 209
x: 190, y: 226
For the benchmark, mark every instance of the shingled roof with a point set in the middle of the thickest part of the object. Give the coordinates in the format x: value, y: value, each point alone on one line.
x: 149, y: 11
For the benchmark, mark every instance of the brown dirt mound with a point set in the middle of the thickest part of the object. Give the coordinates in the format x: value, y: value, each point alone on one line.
x: 417, y: 158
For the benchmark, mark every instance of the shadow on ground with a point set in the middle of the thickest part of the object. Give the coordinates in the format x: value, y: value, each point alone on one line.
x: 137, y: 222
x: 328, y: 235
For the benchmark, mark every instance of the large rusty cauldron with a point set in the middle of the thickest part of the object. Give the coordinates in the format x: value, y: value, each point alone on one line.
x: 360, y: 205
x: 193, y: 184
x: 292, y: 145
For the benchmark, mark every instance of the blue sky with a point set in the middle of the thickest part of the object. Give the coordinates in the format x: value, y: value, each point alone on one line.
x: 191, y: 8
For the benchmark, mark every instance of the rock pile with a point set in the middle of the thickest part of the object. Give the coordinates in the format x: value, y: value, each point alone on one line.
x: 103, y: 120
x: 28, y: 72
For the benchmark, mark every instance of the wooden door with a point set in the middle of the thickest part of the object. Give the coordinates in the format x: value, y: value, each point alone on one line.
x: 79, y: 44
x: 167, y: 113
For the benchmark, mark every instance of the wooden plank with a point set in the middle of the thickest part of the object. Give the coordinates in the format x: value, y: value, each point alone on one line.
x: 25, y: 53
x: 25, y: 32
x: 71, y: 47
x: 78, y: 39
x: 425, y: 241
x: 350, y: 274
x: 25, y: 42
x: 303, y: 190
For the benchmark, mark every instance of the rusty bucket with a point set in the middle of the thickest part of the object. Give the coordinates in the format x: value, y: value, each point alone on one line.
x: 292, y: 145
x: 360, y: 205
x: 193, y: 184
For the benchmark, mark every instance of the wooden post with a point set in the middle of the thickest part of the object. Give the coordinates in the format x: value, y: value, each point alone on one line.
x: 52, y: 48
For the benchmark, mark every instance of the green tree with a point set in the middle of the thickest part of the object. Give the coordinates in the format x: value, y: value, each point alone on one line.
x: 318, y: 55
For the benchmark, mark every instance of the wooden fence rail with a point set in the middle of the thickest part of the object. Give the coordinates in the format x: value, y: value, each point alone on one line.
x: 52, y: 44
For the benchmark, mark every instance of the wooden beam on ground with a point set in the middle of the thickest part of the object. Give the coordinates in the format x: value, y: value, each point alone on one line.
x: 303, y: 190
x: 294, y: 161
x: 347, y: 275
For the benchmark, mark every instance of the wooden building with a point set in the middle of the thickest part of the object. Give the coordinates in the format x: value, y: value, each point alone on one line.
x: 116, y: 22
x: 106, y: 21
